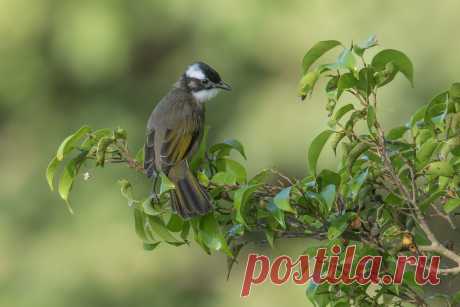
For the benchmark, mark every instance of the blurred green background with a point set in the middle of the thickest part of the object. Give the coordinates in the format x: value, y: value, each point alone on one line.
x: 107, y: 62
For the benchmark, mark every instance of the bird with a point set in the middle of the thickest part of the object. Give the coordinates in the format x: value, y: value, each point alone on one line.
x: 174, y: 132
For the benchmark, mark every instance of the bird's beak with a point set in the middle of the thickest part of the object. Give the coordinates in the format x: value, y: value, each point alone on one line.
x: 224, y: 86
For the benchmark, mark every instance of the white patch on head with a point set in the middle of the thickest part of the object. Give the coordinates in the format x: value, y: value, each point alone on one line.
x: 205, y: 95
x: 194, y: 71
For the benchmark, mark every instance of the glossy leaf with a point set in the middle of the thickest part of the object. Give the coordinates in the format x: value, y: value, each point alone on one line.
x: 337, y: 227
x: 340, y: 113
x: 166, y: 184
x: 50, y: 171
x: 224, y: 178
x: 281, y: 200
x: 316, y: 147
x: 440, y: 168
x: 426, y: 150
x: 226, y: 146
x: 212, y: 235
x: 357, y: 183
x: 328, y: 194
x: 369, y: 43
x: 260, y: 177
x: 316, y: 52
x: 346, y: 59
x: 346, y: 81
x: 67, y: 179
x: 398, y: 58
x: 396, y: 133
x: 240, y: 200
x: 158, y: 227
x: 234, y: 168
x: 277, y: 214
x: 70, y: 142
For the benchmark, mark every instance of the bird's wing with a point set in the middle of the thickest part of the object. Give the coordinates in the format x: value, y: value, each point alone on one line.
x: 149, y: 153
x: 165, y: 147
x: 177, y: 143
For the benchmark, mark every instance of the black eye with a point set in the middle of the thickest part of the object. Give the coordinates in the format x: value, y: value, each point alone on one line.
x: 204, y: 81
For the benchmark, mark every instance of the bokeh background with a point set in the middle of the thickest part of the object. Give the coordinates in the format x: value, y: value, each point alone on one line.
x: 107, y: 62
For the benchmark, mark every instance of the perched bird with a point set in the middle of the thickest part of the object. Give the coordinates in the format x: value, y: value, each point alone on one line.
x: 174, y: 132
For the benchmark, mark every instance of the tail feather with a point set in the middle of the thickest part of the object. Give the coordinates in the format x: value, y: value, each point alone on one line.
x: 188, y: 199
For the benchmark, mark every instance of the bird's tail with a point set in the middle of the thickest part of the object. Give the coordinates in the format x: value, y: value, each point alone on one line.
x: 189, y: 198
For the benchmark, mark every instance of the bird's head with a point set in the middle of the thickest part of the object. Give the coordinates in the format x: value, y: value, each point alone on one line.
x: 203, y: 81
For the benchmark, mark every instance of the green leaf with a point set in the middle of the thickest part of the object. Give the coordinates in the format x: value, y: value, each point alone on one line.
x: 50, y: 171
x: 69, y: 142
x: 127, y: 191
x: 346, y: 81
x: 451, y: 205
x: 440, y: 168
x: 355, y: 153
x: 260, y: 177
x: 233, y: 167
x: 316, y: 147
x: 386, y: 75
x: 328, y: 194
x: 336, y: 139
x: 398, y: 58
x: 426, y: 150
x: 277, y: 214
x: 140, y: 155
x: 281, y: 200
x: 357, y: 183
x: 369, y: 43
x: 226, y: 146
x: 433, y: 110
x: 318, y: 294
x: 147, y: 206
x: 316, y: 52
x: 175, y: 223
x: 166, y: 184
x: 212, y: 235
x: 307, y: 83
x: 67, y: 178
x: 202, y: 178
x: 340, y: 113
x: 346, y: 59
x: 224, y: 178
x: 327, y: 177
x: 396, y: 133
x: 139, y: 223
x: 240, y: 199
x: 157, y: 226
x: 337, y: 227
